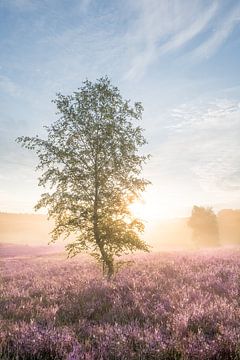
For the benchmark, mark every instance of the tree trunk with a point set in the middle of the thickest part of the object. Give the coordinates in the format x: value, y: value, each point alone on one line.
x: 107, y: 260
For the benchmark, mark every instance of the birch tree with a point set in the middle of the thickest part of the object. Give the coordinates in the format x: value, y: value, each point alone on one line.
x: 91, y: 167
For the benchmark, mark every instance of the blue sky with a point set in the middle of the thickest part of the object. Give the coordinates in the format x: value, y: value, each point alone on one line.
x: 179, y: 57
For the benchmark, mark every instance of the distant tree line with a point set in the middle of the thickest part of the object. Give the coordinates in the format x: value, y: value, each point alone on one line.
x: 203, y: 222
x: 209, y: 229
x: 229, y: 225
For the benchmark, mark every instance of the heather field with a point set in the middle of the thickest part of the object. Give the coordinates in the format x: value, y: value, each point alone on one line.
x: 163, y: 306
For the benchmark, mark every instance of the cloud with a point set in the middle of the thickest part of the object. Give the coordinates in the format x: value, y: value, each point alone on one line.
x: 192, y: 30
x: 203, y: 142
x: 220, y: 34
x: 168, y: 26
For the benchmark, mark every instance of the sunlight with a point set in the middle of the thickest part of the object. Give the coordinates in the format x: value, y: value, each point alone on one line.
x: 152, y: 207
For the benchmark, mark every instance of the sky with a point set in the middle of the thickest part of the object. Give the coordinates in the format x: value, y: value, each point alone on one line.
x: 180, y: 58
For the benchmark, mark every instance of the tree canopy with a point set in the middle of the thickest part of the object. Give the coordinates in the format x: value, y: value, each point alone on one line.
x: 203, y: 222
x: 91, y: 167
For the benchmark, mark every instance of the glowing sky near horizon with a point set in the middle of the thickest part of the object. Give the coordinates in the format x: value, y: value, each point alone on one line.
x: 179, y: 57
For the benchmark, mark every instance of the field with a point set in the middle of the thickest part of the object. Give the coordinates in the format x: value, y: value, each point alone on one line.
x: 163, y: 306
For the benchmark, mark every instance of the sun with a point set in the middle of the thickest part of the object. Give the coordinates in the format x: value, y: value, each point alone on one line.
x: 159, y: 204
x: 149, y: 208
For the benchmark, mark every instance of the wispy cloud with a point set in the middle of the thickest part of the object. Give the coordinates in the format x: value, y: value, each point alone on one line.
x: 163, y: 27
x: 219, y: 35
x: 204, y: 140
x: 190, y: 31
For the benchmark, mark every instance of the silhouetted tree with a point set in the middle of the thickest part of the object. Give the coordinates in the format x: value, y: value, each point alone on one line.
x: 203, y: 222
x: 91, y: 163
x: 229, y: 225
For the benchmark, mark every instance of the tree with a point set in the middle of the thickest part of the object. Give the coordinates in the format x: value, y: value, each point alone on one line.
x: 203, y: 222
x: 91, y: 163
x: 229, y: 226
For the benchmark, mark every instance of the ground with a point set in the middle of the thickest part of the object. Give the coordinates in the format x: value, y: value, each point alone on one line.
x: 178, y: 305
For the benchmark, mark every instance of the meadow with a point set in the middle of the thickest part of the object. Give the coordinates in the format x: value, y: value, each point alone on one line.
x: 169, y: 305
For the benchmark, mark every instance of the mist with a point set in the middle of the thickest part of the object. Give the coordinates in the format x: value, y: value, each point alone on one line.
x: 30, y: 233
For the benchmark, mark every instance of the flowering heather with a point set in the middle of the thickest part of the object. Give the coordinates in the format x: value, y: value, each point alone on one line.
x: 163, y: 306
